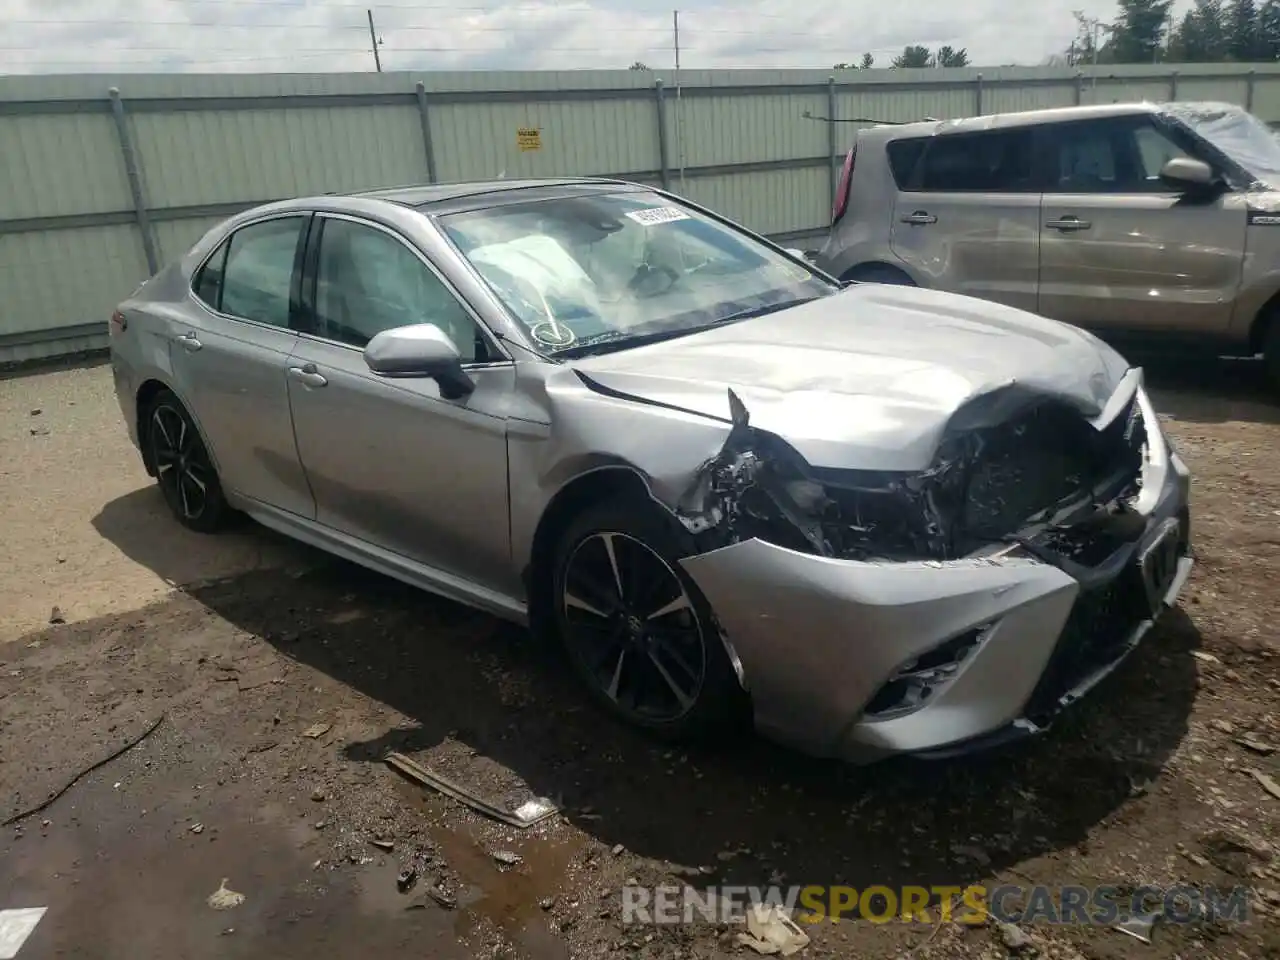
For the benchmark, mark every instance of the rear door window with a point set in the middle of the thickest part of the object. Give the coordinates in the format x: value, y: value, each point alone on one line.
x: 997, y: 161
x: 259, y: 270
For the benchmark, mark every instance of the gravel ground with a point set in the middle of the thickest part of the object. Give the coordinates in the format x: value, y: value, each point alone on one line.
x: 241, y: 646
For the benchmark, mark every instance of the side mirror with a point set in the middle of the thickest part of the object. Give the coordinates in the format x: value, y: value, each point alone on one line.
x: 421, y: 350
x: 1186, y: 174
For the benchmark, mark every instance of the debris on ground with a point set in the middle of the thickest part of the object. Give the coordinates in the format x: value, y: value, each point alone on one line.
x: 55, y: 616
x: 48, y: 801
x: 1254, y: 745
x: 318, y: 795
x: 224, y: 898
x: 317, y: 730
x: 1139, y: 927
x: 382, y: 844
x: 197, y: 828
x: 1204, y: 657
x: 507, y: 858
x: 525, y: 815
x: 1013, y: 937
x: 1267, y: 783
x: 443, y: 897
x: 406, y: 879
x: 770, y: 931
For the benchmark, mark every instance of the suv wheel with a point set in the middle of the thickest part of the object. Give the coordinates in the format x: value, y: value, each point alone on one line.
x: 879, y: 273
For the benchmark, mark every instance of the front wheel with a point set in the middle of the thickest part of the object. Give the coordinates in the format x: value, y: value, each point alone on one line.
x: 182, y: 466
x: 636, y: 629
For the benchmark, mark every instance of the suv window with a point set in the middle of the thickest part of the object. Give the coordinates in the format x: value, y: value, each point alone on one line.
x: 904, y: 156
x: 258, y: 272
x: 1115, y: 155
x: 998, y: 161
x: 368, y: 281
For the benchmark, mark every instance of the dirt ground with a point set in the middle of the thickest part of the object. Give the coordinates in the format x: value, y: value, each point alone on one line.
x: 238, y: 644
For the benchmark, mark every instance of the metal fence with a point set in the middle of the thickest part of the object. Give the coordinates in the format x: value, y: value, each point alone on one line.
x: 104, y: 178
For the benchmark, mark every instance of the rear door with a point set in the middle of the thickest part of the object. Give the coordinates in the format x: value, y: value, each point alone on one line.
x: 967, y: 214
x: 1121, y: 251
x: 229, y: 359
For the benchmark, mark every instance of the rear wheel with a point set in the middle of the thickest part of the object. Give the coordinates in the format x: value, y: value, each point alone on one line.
x: 879, y: 273
x: 636, y: 629
x: 1271, y: 350
x: 182, y: 466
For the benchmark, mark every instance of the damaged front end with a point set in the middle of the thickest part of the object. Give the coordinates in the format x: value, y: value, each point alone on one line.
x: 1012, y: 468
x: 946, y: 608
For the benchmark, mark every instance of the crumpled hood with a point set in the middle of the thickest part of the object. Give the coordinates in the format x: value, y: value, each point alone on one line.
x: 867, y: 378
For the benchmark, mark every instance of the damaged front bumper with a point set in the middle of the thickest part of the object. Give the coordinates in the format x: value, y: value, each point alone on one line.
x: 862, y: 659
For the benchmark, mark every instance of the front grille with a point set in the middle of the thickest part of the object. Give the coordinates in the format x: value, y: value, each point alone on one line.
x: 1095, y: 634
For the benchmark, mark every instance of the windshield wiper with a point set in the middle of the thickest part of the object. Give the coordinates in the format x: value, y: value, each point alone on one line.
x: 618, y: 339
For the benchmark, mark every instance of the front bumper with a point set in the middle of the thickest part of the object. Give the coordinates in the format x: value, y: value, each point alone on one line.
x: 815, y: 639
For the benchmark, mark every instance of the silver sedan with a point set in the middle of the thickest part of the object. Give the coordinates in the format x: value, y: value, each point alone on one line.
x: 875, y: 519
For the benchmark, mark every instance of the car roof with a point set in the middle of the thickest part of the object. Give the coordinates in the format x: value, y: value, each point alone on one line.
x: 1024, y: 118
x: 438, y: 198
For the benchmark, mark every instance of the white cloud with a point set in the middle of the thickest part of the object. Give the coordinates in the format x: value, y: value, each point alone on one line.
x: 72, y: 36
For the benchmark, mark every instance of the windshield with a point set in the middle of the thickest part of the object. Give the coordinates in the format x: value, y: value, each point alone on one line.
x: 620, y: 267
x: 1237, y: 133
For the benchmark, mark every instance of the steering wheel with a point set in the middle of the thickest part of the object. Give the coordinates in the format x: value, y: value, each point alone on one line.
x: 645, y: 272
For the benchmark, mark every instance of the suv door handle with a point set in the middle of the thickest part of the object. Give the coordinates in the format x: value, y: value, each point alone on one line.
x: 190, y: 342
x: 920, y: 218
x: 308, y: 376
x: 1068, y: 223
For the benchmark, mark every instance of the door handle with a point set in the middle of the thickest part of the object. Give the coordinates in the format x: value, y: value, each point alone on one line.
x: 308, y: 376
x: 190, y: 342
x: 1068, y: 223
x: 920, y: 218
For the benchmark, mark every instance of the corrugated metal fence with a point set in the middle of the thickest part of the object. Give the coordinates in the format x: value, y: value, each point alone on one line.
x: 103, y: 178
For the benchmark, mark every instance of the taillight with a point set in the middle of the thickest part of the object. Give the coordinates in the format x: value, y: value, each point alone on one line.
x: 842, y: 188
x: 118, y: 324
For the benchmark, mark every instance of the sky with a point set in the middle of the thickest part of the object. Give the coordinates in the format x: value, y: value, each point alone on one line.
x: 75, y: 36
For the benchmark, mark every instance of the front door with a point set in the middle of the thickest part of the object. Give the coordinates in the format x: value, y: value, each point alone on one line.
x: 390, y: 461
x: 229, y: 362
x: 967, y: 218
x: 1121, y: 251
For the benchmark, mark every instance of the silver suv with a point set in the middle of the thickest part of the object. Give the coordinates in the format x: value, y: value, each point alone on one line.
x: 1128, y: 219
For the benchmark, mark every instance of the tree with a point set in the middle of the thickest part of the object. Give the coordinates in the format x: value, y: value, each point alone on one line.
x: 1242, y: 31
x: 639, y: 65
x: 1269, y: 31
x: 913, y: 57
x: 950, y: 57
x: 1137, y: 33
x: 1209, y: 31
x: 866, y: 63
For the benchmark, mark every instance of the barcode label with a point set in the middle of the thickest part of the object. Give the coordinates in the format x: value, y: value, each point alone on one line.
x: 655, y: 215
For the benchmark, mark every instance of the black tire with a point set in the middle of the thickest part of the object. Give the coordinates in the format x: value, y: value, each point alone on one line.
x: 654, y: 660
x: 879, y: 273
x: 183, y: 470
x: 1271, y: 351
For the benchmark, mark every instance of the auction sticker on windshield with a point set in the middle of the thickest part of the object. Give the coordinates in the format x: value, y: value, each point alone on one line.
x: 656, y: 215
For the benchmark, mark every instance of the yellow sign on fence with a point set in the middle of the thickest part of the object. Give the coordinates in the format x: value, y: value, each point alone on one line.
x: 528, y: 138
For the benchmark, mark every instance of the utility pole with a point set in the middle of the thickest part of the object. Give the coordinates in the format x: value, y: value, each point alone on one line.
x: 373, y: 39
x: 675, y: 19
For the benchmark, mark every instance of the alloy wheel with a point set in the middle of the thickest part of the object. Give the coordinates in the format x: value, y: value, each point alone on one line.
x: 182, y: 466
x: 630, y: 622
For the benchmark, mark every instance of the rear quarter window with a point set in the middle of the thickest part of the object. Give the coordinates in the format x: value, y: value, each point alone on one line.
x: 904, y: 157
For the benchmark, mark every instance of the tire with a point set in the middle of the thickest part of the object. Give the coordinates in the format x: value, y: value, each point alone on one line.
x: 1271, y: 352
x: 679, y: 650
x: 879, y: 273
x: 183, y: 470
